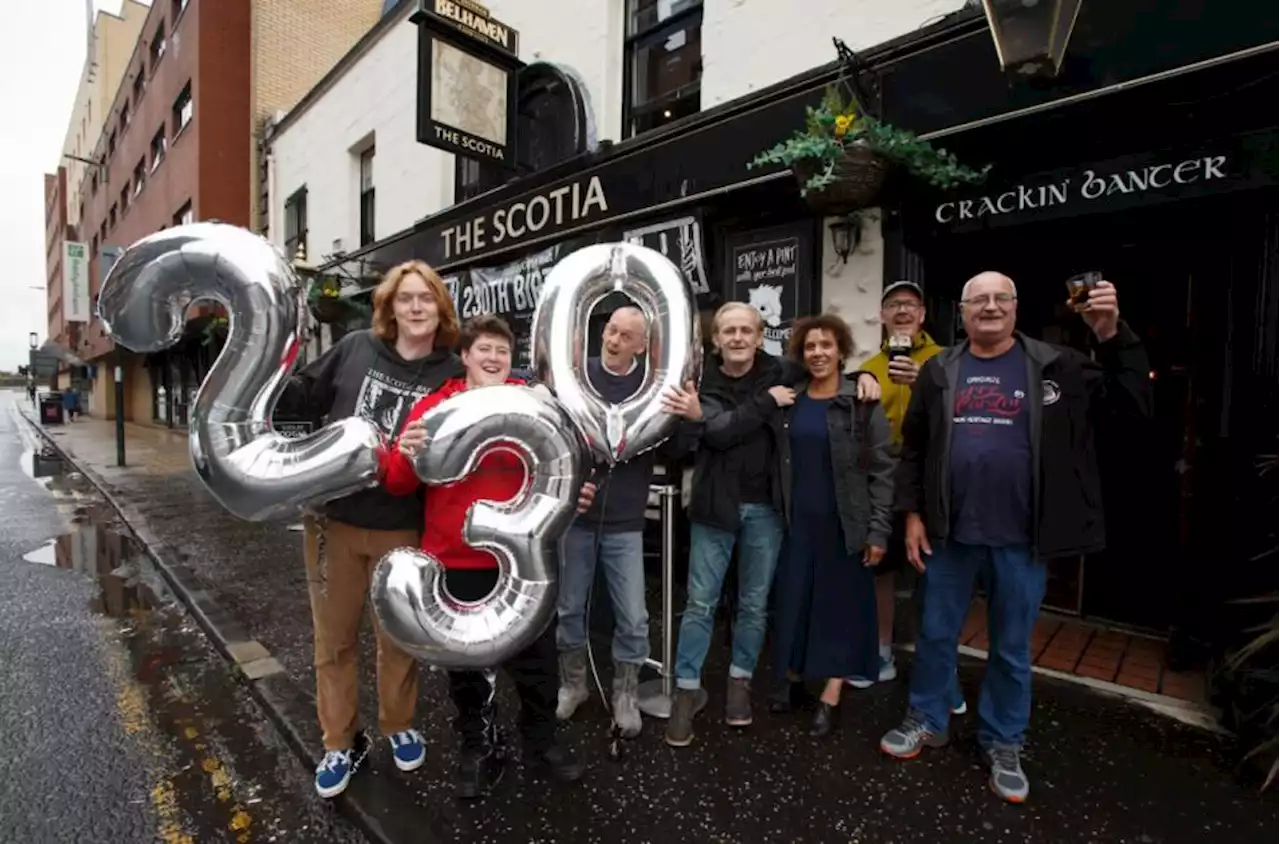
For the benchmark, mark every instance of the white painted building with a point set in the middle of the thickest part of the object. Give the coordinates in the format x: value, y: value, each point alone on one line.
x: 346, y: 170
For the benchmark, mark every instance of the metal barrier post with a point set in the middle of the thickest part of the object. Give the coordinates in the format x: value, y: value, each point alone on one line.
x: 654, y: 696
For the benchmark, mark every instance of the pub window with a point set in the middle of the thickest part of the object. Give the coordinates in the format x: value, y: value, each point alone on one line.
x: 366, y: 197
x: 124, y: 198
x: 157, y: 46
x: 182, y: 110
x: 185, y: 216
x: 295, y: 224
x: 663, y: 62
x: 124, y: 117
x: 158, y: 146
x: 139, y: 83
x: 111, y: 143
x: 111, y: 218
x: 472, y: 178
x: 139, y: 175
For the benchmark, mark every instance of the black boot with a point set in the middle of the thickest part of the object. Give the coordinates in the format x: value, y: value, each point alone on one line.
x: 824, y: 720
x: 789, y: 696
x: 479, y: 772
x: 557, y: 763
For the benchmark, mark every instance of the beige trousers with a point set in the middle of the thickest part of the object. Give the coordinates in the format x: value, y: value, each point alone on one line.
x: 340, y: 562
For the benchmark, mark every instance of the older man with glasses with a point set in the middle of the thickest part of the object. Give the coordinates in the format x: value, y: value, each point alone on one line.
x: 998, y: 473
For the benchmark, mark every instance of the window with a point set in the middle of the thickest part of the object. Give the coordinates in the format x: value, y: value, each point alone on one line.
x: 185, y: 216
x: 139, y: 83
x: 472, y: 178
x: 102, y: 232
x: 111, y: 219
x: 124, y: 117
x: 182, y: 110
x: 93, y: 183
x: 157, y: 47
x: 178, y: 7
x: 93, y: 247
x: 158, y: 146
x: 111, y: 144
x: 663, y: 62
x: 366, y: 197
x: 139, y: 175
x: 295, y: 225
x: 124, y: 198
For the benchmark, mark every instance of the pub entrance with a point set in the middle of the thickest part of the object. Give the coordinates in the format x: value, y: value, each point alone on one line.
x: 1197, y: 282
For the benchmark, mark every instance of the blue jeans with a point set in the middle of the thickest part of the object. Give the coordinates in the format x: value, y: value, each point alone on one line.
x: 623, y: 557
x: 1015, y: 586
x: 709, y: 553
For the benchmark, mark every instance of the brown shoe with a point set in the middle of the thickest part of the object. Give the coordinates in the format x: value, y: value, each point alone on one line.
x: 684, y: 705
x: 737, y: 703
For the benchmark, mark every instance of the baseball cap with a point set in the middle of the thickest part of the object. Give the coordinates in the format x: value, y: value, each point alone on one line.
x: 902, y: 285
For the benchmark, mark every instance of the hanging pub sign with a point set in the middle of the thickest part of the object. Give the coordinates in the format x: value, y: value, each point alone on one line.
x: 468, y: 63
x: 770, y: 269
x: 1223, y: 166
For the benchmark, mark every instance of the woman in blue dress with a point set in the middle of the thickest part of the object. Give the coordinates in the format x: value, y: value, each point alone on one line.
x: 837, y: 480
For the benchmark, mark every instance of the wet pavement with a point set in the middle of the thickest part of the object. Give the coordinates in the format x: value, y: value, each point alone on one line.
x: 1102, y: 769
x: 118, y: 721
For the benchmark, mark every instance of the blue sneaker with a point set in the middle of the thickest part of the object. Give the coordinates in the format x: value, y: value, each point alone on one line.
x: 888, y: 672
x: 334, y: 772
x: 408, y: 749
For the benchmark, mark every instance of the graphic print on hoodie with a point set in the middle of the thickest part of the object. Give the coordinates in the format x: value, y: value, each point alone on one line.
x: 361, y: 375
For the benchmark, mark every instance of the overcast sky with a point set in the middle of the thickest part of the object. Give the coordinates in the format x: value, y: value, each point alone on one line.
x: 42, y: 46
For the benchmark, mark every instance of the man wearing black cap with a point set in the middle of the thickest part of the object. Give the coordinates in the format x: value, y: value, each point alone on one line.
x: 905, y: 347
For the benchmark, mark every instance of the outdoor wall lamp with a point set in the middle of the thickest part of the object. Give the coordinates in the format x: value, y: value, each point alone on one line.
x: 846, y: 234
x: 1031, y: 35
x: 31, y: 340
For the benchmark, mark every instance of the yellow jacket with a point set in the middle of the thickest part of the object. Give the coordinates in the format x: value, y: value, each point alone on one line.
x: 895, y: 397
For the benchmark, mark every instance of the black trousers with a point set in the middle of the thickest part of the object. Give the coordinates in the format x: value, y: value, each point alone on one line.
x: 535, y: 672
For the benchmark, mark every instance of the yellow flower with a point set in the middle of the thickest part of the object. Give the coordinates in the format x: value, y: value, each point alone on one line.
x: 843, y: 122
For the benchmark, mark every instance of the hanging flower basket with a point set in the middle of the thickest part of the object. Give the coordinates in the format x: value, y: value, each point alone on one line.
x: 842, y: 157
x: 857, y: 175
x: 327, y: 310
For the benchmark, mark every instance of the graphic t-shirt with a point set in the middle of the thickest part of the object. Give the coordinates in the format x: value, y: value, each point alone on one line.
x: 991, y: 472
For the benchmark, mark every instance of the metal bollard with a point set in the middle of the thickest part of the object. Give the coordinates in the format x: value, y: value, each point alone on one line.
x: 654, y: 696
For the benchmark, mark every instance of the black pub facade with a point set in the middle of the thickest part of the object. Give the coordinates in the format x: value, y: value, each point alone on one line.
x: 1150, y: 157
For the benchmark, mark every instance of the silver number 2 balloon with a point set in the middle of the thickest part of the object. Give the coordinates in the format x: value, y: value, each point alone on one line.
x: 525, y: 534
x: 616, y: 433
x: 252, y: 471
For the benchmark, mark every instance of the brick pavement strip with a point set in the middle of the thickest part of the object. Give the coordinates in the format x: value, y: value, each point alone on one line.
x: 158, y: 496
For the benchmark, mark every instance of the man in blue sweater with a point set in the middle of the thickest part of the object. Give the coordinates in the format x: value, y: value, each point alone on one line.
x: 611, y: 533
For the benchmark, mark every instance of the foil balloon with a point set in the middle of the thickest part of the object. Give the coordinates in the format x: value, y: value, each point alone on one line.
x: 409, y: 591
x: 617, y: 432
x: 252, y: 471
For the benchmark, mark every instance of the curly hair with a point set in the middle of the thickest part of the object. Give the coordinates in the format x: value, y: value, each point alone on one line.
x: 495, y: 326
x: 384, y: 320
x: 838, y: 328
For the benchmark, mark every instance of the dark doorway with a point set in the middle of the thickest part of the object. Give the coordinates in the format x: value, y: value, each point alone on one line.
x: 1184, y: 272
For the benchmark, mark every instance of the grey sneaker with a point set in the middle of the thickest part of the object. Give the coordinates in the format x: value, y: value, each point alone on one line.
x: 1007, y: 777
x: 626, y: 708
x: 684, y: 705
x: 910, y: 737
x: 737, y: 702
x: 573, y: 683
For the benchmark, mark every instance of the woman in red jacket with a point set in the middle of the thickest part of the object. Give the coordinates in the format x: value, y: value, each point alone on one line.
x: 471, y: 574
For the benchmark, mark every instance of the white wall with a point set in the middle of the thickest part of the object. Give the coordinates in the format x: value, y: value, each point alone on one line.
x: 853, y: 289
x: 376, y: 100
x: 751, y: 44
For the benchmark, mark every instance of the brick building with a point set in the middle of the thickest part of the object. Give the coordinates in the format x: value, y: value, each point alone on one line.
x: 179, y: 143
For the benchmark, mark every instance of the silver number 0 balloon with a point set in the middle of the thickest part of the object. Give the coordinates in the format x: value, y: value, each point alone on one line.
x: 252, y: 471
x: 525, y: 534
x: 616, y: 433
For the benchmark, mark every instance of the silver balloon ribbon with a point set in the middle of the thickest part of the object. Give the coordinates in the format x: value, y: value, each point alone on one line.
x: 573, y: 289
x: 252, y: 471
x: 525, y: 534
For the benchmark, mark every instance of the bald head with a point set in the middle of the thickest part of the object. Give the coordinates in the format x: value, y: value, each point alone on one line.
x: 624, y: 337
x: 991, y: 282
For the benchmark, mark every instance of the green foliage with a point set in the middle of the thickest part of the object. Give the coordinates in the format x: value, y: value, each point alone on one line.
x: 835, y: 125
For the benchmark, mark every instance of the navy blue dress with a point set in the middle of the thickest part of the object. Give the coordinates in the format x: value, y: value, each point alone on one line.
x: 826, y: 597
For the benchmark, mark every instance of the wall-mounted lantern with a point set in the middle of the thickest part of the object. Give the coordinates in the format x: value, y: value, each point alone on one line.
x: 1031, y: 35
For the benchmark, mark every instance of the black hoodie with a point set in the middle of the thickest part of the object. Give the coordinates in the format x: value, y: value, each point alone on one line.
x: 361, y: 375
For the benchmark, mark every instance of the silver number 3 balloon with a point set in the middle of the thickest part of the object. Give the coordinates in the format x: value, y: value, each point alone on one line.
x: 616, y: 433
x: 252, y: 471
x: 524, y: 534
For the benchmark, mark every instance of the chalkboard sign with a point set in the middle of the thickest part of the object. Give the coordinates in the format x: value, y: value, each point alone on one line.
x: 770, y: 269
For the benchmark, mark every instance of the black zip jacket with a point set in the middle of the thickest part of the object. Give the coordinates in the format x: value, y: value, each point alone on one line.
x: 1067, y: 516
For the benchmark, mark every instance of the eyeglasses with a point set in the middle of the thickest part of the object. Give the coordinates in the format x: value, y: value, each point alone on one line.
x: 901, y: 305
x: 1002, y: 300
